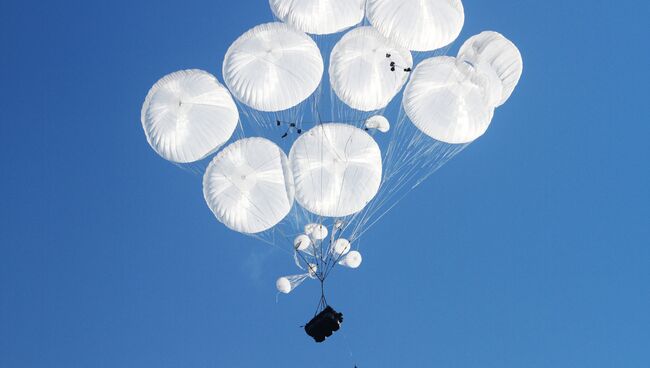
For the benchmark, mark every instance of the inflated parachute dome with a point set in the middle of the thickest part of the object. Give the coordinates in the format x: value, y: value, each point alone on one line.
x: 328, y: 115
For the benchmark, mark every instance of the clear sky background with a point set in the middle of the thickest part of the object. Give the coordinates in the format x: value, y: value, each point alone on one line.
x: 529, y: 249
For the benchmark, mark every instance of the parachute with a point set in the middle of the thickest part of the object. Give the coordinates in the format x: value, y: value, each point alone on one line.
x: 308, y: 160
x: 273, y: 67
x: 358, y: 72
x: 319, y: 16
x: 187, y: 115
x: 419, y: 25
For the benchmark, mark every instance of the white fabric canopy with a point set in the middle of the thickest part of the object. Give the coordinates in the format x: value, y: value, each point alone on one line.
x: 446, y: 101
x: 378, y: 122
x: 273, y: 67
x: 187, y: 115
x: 249, y: 186
x: 319, y: 16
x: 337, y: 169
x: 419, y: 25
x: 497, y: 57
x: 360, y: 71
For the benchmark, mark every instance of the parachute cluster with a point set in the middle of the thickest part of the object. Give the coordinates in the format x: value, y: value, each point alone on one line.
x: 328, y: 117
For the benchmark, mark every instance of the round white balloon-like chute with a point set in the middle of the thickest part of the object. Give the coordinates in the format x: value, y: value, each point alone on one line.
x: 341, y: 247
x: 367, y: 69
x: 188, y: 115
x: 447, y: 101
x: 497, y: 57
x: 319, y: 16
x: 419, y: 25
x: 352, y: 260
x: 273, y: 67
x: 337, y: 169
x: 249, y: 186
x: 378, y: 122
x: 316, y: 231
x: 302, y: 242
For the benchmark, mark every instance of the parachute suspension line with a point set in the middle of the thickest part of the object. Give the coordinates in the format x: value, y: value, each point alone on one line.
x: 413, y: 151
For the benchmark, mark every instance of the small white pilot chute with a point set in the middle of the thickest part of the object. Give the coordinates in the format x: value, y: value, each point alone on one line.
x: 302, y: 242
x: 351, y: 260
x: 340, y: 247
x: 378, y: 122
x: 287, y: 284
x: 316, y: 231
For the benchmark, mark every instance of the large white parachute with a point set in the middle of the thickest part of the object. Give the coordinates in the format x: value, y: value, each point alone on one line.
x: 362, y: 69
x: 187, y: 115
x: 337, y: 169
x: 316, y: 160
x: 249, y: 185
x: 447, y: 101
x: 273, y: 67
x: 497, y: 57
x: 419, y: 25
x: 319, y: 16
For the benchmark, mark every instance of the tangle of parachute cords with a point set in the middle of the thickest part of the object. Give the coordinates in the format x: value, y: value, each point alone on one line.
x: 292, y: 125
x: 394, y: 65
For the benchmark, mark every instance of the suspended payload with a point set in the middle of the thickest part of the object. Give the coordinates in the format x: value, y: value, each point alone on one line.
x: 378, y: 122
x: 249, y: 186
x: 188, y: 115
x: 496, y: 57
x: 418, y: 25
x: 447, y: 101
x: 337, y: 169
x: 319, y: 16
x: 352, y: 260
x: 367, y: 70
x: 273, y: 67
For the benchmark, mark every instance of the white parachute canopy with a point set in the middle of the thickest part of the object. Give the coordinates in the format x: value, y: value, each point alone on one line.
x: 319, y: 16
x: 302, y: 242
x: 273, y: 67
x: 447, y: 101
x: 497, y: 57
x: 352, y: 260
x: 187, y: 115
x: 378, y: 122
x: 249, y: 186
x: 287, y: 284
x: 360, y: 69
x: 316, y: 231
x: 341, y: 247
x: 337, y: 169
x: 419, y: 25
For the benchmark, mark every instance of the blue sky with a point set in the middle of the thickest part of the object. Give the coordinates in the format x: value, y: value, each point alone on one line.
x: 529, y: 249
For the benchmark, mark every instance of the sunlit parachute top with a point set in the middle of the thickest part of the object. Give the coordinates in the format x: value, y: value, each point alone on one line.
x: 273, y: 67
x: 188, y: 115
x: 319, y: 16
x: 309, y: 158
